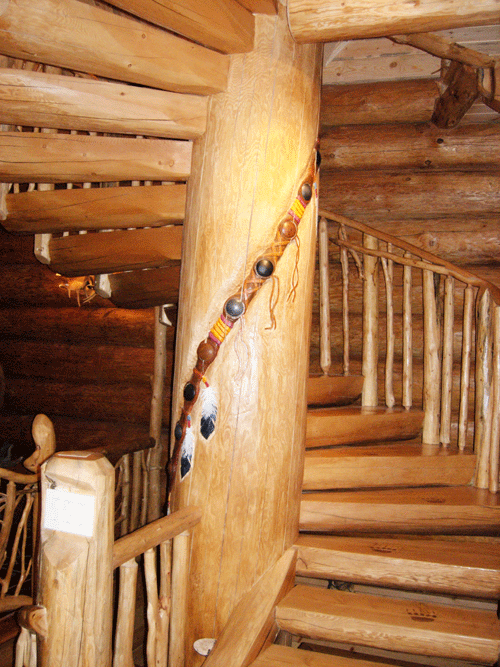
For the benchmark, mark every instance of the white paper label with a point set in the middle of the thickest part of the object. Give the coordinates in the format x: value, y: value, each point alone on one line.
x: 69, y: 512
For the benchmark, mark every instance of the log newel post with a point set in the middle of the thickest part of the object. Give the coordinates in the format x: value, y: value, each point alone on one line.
x: 324, y: 297
x: 370, y: 323
x: 432, y: 368
x: 76, y: 560
x: 484, y: 371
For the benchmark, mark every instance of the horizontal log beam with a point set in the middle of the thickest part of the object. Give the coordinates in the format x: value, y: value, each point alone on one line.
x: 35, y: 99
x: 144, y: 288
x: 51, y: 211
x: 223, y: 25
x: 106, y: 252
x: 378, y: 195
x: 327, y: 21
x: 380, y: 102
x: 423, y: 146
x: 34, y: 157
x: 103, y: 326
x: 85, y: 38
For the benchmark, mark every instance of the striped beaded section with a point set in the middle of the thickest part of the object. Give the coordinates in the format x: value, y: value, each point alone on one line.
x: 297, y: 209
x: 220, y: 329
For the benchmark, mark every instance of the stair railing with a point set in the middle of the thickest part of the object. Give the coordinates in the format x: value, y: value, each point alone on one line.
x: 408, y: 289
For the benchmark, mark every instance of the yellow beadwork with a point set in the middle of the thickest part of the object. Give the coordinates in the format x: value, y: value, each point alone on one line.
x: 220, y: 330
x: 298, y: 208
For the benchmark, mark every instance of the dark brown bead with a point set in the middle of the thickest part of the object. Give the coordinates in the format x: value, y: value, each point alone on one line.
x: 207, y: 351
x: 306, y: 191
x: 288, y: 229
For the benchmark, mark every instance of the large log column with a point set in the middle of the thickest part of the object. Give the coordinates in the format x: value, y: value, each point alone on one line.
x: 246, y: 173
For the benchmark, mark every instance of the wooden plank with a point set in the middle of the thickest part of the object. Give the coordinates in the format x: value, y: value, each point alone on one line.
x: 386, y: 465
x: 447, y: 511
x: 115, y: 47
x: 322, y: 21
x: 285, y: 656
x: 260, y: 6
x: 333, y: 390
x: 248, y: 627
x: 107, y: 252
x: 145, y: 288
x: 384, y: 102
x: 27, y: 157
x: 51, y: 211
x: 454, y: 567
x: 74, y: 103
x: 394, y: 195
x: 223, y: 25
x: 389, y: 68
x: 412, y: 146
x: 383, y: 623
x: 349, y: 425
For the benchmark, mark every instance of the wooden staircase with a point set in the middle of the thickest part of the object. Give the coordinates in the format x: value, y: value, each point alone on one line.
x: 383, y: 590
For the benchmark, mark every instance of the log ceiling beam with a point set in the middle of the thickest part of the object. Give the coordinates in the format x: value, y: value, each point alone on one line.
x: 86, y: 209
x: 384, y: 102
x: 35, y: 99
x: 223, y: 25
x: 27, y: 157
x: 461, y: 92
x: 412, y: 146
x: 325, y: 21
x: 107, y: 252
x: 84, y: 38
x: 444, y: 48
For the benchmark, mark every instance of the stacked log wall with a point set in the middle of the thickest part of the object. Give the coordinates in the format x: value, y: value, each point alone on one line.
x: 437, y: 189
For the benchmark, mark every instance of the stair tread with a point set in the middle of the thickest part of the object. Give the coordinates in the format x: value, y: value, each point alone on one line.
x: 285, y: 656
x: 387, y: 464
x: 355, y: 425
x: 447, y: 510
x: 397, y: 624
x: 456, y: 567
x: 334, y: 389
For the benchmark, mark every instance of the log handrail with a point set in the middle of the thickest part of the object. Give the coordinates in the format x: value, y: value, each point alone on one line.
x: 380, y: 252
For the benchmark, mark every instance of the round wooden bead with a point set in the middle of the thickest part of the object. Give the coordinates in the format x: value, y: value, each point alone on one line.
x: 189, y: 392
x: 234, y: 308
x: 288, y: 229
x: 306, y: 191
x: 207, y: 351
x: 264, y: 267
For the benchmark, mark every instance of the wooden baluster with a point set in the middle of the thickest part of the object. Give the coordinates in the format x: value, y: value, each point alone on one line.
x: 125, y: 513
x: 124, y: 636
x: 495, y: 401
x: 447, y: 362
x: 432, y: 383
x: 465, y: 366
x: 407, y: 338
x: 180, y: 573
x: 344, y: 261
x: 388, y: 267
x: 370, y: 324
x: 325, y: 354
x: 483, y: 408
x: 135, y: 505
x: 76, y: 560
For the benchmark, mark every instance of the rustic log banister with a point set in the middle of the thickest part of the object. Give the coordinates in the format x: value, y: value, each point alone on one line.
x: 447, y: 395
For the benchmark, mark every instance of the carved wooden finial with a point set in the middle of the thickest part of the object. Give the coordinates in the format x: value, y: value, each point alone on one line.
x: 45, y: 441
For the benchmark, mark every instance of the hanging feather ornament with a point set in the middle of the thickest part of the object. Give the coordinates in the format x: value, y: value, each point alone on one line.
x: 187, y: 450
x: 208, y: 410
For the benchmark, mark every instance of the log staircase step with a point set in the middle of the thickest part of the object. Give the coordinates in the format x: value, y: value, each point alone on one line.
x: 107, y: 252
x: 355, y: 425
x: 285, y: 656
x: 434, y: 510
x: 392, y: 624
x: 453, y: 567
x: 143, y: 288
x: 334, y: 389
x: 394, y: 464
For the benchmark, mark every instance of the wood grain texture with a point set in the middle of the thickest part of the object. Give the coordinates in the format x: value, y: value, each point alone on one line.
x: 322, y: 21
x: 285, y: 656
x: 349, y: 425
x: 391, y: 624
x: 61, y: 158
x: 245, y: 175
x: 446, y: 511
x: 223, y: 25
x: 117, y: 47
x: 74, y: 103
x: 333, y: 390
x: 95, y: 208
x: 79, y: 609
x: 455, y: 567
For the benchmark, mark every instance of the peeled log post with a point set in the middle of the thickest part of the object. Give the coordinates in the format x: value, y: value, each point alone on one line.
x: 432, y: 380
x: 495, y: 399
x: 407, y: 343
x: 256, y: 151
x: 370, y: 324
x: 484, y: 368
x: 465, y: 365
x: 447, y: 361
x: 324, y: 297
x: 324, y: 21
x: 76, y: 584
